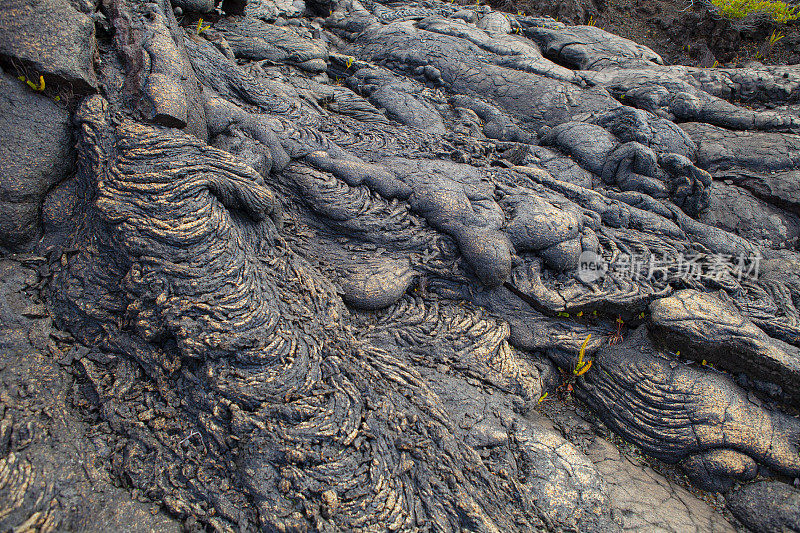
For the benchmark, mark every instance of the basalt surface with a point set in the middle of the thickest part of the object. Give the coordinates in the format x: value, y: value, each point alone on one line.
x: 363, y: 266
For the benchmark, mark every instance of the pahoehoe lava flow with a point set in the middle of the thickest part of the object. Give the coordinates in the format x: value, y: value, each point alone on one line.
x: 398, y: 265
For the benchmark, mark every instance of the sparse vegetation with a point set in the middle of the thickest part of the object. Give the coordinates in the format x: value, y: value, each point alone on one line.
x: 775, y: 37
x: 767, y: 47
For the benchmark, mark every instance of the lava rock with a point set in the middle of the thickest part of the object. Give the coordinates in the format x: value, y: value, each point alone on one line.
x: 35, y: 154
x: 768, y: 506
x: 50, y: 38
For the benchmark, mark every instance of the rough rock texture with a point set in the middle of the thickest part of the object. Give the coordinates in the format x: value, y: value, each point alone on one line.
x: 159, y: 80
x: 677, y: 412
x: 49, y: 38
x: 332, y: 273
x: 35, y: 154
x: 705, y: 328
x: 633, y: 485
x: 781, y: 513
x: 52, y: 455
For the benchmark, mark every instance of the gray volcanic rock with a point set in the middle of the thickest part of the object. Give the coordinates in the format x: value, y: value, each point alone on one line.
x: 393, y: 266
x: 737, y: 210
x: 254, y: 39
x: 51, y: 38
x: 675, y: 412
x: 269, y: 9
x: 766, y: 164
x: 767, y: 506
x: 705, y: 328
x: 35, y: 154
x: 51, y: 455
x: 159, y: 80
x: 201, y: 6
x: 633, y: 484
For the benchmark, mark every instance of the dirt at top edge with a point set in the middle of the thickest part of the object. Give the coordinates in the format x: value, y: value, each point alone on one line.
x: 681, y: 31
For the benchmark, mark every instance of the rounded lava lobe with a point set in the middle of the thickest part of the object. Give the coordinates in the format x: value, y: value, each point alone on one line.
x: 489, y: 254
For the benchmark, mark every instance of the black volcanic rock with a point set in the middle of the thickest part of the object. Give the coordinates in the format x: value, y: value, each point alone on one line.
x: 35, y: 153
x: 50, y: 38
x: 359, y: 266
x: 767, y: 506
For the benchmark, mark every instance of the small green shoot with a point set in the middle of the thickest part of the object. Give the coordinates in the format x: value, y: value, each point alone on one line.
x: 542, y: 398
x: 775, y: 37
x: 202, y: 27
x: 38, y: 87
x: 582, y: 367
x: 617, y: 337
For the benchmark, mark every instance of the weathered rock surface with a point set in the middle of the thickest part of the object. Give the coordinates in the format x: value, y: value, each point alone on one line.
x: 53, y: 443
x: 49, y: 38
x: 35, y: 153
x: 634, y: 486
x: 676, y: 412
x: 201, y: 6
x: 767, y: 506
x: 159, y: 81
x: 323, y: 267
x: 704, y: 328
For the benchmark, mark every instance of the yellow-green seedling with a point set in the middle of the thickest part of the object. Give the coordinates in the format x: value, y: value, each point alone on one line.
x: 582, y: 367
x: 775, y: 37
x: 38, y: 87
x: 542, y: 398
x: 202, y: 27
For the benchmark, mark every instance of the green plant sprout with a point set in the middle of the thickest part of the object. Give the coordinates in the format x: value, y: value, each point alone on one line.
x: 777, y: 10
x: 202, y: 27
x: 38, y: 87
x: 582, y: 367
x: 775, y: 37
x: 542, y: 398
